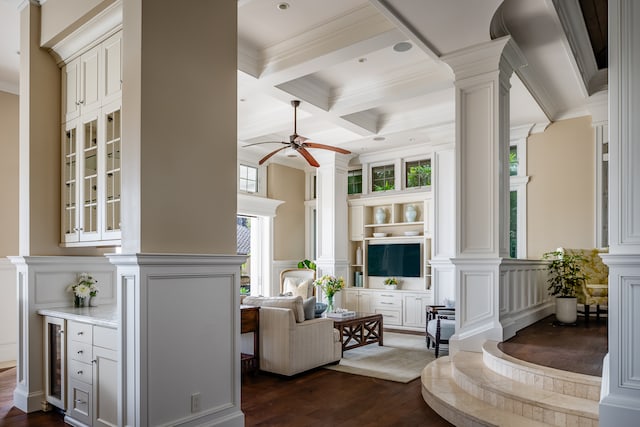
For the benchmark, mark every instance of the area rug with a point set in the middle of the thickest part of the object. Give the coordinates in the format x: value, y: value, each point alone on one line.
x: 401, y: 359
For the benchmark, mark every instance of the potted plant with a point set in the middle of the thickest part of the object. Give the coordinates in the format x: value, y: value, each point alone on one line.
x: 305, y: 263
x: 565, y: 277
x: 391, y: 283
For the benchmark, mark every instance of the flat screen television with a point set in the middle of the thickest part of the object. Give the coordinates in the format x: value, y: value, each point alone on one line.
x: 397, y: 259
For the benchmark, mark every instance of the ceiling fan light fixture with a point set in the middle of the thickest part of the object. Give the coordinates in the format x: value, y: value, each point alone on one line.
x: 402, y: 46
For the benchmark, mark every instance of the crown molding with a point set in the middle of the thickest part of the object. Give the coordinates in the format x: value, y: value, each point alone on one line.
x: 579, y: 44
x: 89, y: 34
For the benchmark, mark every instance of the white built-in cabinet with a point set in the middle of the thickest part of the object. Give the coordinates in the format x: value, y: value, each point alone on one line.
x: 91, y: 146
x: 88, y: 367
x: 404, y: 307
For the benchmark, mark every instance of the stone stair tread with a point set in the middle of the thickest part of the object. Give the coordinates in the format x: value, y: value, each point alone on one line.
x: 471, y: 366
x: 438, y: 382
x: 491, y: 347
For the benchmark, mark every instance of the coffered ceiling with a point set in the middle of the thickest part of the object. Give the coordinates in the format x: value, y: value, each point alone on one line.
x: 357, y: 91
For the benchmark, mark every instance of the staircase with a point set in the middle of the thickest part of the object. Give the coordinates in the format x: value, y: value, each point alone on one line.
x: 494, y: 389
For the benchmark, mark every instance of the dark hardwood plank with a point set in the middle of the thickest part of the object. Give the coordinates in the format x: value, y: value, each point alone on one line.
x: 580, y: 348
x: 317, y: 398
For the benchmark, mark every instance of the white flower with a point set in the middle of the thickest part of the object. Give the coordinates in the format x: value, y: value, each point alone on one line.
x: 82, y: 291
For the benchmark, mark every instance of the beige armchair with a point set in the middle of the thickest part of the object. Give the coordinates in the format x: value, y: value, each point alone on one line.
x: 595, y: 290
x: 290, y: 345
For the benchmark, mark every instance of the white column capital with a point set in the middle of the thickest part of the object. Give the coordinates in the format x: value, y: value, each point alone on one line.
x: 501, y: 54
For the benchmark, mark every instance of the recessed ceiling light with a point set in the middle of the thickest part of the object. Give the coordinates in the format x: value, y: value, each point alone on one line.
x: 402, y: 46
x: 361, y: 60
x: 379, y: 138
x: 412, y: 139
x: 283, y: 6
x: 242, y: 99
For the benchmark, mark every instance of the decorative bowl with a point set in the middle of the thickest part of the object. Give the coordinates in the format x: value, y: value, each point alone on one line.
x: 411, y: 233
x: 379, y: 234
x: 320, y: 308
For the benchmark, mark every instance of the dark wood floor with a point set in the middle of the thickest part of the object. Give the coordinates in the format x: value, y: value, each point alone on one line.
x: 317, y: 398
x: 578, y: 348
x: 328, y: 398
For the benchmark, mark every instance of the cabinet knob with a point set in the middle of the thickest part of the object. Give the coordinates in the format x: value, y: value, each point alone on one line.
x: 94, y: 361
x: 80, y: 401
x: 79, y: 372
x: 80, y: 333
x: 80, y: 351
x: 82, y: 102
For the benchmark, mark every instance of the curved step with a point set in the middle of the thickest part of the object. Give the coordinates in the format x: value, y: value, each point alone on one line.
x: 541, y: 377
x: 452, y: 403
x: 471, y: 374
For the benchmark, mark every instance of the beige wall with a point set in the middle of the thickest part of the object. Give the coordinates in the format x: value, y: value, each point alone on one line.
x: 9, y: 173
x: 561, y: 193
x: 287, y: 184
x: 179, y: 168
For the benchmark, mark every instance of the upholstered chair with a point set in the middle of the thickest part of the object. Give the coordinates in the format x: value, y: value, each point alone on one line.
x: 595, y: 290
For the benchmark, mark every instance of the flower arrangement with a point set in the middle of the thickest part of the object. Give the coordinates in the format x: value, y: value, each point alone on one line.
x: 330, y: 284
x: 390, y: 281
x: 85, y: 287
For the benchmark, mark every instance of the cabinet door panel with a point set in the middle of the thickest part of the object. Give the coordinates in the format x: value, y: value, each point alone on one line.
x: 71, y: 90
x: 112, y: 53
x: 105, y: 391
x: 89, y: 69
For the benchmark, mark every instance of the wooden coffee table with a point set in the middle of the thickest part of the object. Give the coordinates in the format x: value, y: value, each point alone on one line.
x: 363, y: 329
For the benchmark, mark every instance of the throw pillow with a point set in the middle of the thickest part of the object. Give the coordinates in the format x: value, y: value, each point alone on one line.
x: 292, y: 303
x: 309, y: 306
x: 297, y: 287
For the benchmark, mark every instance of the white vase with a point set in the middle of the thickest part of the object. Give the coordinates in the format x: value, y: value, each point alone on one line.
x: 93, y: 301
x: 358, y: 255
x: 566, y: 309
x: 381, y: 216
x: 410, y: 213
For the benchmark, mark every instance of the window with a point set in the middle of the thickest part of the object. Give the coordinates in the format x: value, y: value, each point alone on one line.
x: 418, y: 173
x: 383, y: 178
x: 513, y: 224
x: 354, y: 182
x: 248, y: 179
x: 513, y: 160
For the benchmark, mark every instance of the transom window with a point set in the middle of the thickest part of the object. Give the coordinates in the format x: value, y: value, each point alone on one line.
x: 513, y: 160
x: 383, y: 178
x: 248, y: 179
x: 354, y: 182
x: 418, y: 173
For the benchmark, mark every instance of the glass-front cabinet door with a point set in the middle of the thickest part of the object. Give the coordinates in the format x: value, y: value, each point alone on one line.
x: 54, y: 342
x: 112, y: 174
x: 91, y: 178
x: 69, y: 183
x: 89, y: 214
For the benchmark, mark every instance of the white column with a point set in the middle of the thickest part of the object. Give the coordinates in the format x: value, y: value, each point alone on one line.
x: 443, y: 183
x: 331, y: 184
x: 482, y: 186
x: 620, y: 395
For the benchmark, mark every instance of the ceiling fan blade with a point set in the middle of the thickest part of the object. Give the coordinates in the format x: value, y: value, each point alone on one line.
x: 265, y: 142
x: 308, y: 157
x: 326, y: 147
x: 268, y: 156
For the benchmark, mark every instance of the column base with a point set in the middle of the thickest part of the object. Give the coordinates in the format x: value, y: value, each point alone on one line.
x: 28, y: 402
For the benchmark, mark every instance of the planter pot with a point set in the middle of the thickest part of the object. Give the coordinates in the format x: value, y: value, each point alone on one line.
x: 566, y: 309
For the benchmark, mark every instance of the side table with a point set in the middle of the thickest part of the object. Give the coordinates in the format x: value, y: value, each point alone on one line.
x: 250, y: 322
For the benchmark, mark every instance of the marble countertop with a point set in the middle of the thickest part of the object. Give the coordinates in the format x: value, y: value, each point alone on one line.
x: 102, y: 315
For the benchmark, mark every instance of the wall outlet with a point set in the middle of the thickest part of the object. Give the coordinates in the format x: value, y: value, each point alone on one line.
x: 195, y: 402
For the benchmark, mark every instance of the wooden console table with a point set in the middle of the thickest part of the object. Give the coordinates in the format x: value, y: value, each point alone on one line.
x: 250, y: 322
x: 363, y: 329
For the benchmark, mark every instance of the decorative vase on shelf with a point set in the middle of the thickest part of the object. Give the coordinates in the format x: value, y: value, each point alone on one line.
x: 93, y: 301
x: 78, y: 301
x: 410, y: 213
x: 358, y: 255
x: 381, y: 216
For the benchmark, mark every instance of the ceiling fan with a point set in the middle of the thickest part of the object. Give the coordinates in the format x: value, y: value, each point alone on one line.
x: 298, y: 143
